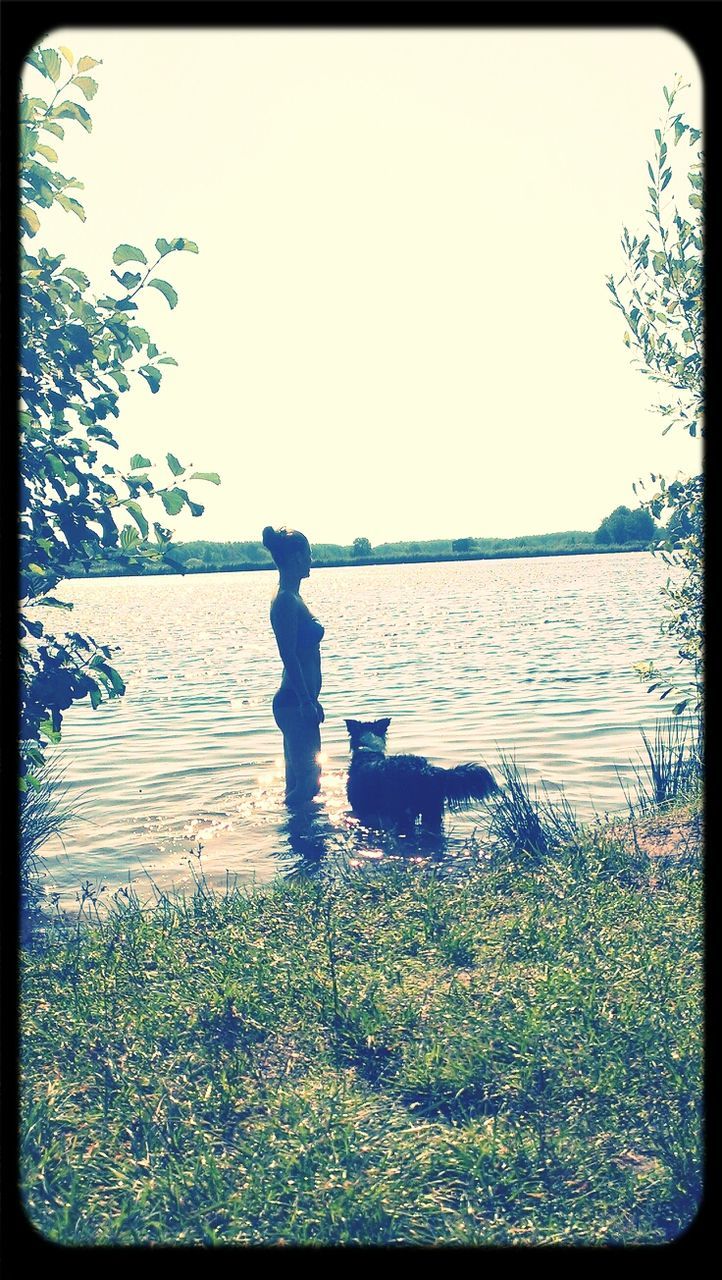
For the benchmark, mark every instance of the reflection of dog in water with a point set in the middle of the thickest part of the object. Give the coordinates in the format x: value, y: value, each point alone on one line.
x: 401, y: 788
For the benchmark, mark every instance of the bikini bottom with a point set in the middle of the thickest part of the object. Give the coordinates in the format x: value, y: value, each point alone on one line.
x: 286, y: 708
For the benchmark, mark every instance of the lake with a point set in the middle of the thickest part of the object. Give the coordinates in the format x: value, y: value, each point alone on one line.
x: 530, y: 657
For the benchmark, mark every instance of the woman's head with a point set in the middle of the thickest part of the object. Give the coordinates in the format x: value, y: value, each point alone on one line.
x: 290, y: 549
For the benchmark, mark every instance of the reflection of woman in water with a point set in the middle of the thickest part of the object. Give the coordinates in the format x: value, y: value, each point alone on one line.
x: 296, y: 708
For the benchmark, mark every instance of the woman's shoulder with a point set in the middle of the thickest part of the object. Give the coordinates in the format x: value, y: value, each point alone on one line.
x: 285, y: 603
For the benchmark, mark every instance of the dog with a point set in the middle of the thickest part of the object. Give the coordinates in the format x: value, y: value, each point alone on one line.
x: 401, y: 788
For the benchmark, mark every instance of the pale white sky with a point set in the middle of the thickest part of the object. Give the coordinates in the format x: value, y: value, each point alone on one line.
x: 397, y: 325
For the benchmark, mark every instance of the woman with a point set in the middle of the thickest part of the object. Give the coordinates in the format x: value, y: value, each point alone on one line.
x: 296, y: 708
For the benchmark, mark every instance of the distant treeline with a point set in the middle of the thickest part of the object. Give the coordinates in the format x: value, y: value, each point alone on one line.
x: 216, y: 557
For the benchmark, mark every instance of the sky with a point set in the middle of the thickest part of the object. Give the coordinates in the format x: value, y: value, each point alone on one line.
x: 397, y: 325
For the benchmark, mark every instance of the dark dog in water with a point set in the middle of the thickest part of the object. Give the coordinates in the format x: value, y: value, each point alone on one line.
x: 400, y: 788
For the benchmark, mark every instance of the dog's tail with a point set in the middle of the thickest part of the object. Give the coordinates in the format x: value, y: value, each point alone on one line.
x: 467, y: 782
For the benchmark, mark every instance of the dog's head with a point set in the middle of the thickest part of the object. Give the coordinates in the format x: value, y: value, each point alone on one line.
x: 369, y: 734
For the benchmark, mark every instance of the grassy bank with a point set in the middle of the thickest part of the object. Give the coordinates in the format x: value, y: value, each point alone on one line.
x: 511, y: 1055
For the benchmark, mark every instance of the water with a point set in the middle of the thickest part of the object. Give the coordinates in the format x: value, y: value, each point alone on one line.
x: 532, y: 657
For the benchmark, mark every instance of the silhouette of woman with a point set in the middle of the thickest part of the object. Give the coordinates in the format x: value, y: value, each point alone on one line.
x: 296, y: 708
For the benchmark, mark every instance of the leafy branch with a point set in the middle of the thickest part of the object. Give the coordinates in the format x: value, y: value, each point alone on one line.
x: 75, y: 354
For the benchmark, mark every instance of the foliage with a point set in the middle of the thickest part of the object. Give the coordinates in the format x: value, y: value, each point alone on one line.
x: 361, y: 547
x: 508, y: 1057
x: 460, y: 545
x: 231, y: 556
x: 662, y: 300
x: 78, y: 354
x: 624, y: 525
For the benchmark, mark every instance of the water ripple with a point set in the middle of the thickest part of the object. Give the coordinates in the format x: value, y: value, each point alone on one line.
x: 528, y: 657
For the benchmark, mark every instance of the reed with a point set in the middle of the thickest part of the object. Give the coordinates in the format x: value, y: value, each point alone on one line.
x: 45, y: 811
x: 526, y: 824
x: 673, y: 766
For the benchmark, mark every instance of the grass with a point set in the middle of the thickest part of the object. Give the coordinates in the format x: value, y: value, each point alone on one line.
x: 391, y: 1055
x: 673, y: 763
x: 45, y: 811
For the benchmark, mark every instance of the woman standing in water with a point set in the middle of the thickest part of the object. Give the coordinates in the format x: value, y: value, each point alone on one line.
x: 296, y: 708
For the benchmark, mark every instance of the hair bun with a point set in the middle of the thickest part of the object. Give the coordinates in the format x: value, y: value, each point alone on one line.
x: 270, y: 537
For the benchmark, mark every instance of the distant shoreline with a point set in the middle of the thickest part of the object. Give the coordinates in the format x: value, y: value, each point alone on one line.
x: 132, y: 571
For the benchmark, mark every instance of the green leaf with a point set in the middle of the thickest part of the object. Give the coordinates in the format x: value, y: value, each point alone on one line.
x: 167, y: 360
x: 196, y: 508
x: 679, y: 129
x: 212, y: 476
x: 96, y: 696
x: 120, y: 379
x: 47, y: 730
x: 77, y: 277
x: 138, y: 336
x: 70, y: 205
x: 162, y: 536
x: 67, y: 54
x: 137, y: 514
x: 129, y: 538
x: 30, y: 218
x: 189, y: 246
x: 29, y: 108
x: 151, y: 375
x: 111, y: 674
x: 88, y: 87
x: 73, y: 111
x: 129, y: 279
x: 163, y: 246
x: 86, y: 63
x: 51, y: 62
x: 167, y: 290
x: 52, y: 127
x: 172, y: 499
x: 174, y: 464
x: 34, y: 60
x: 138, y: 461
x: 48, y: 152
x: 659, y: 262
x: 50, y: 602
x: 128, y: 253
x: 695, y: 201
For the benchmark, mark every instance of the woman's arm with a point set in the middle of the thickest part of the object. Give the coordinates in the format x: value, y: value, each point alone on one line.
x: 284, y: 620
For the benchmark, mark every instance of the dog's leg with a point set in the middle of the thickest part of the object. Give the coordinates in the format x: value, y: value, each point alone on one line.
x: 432, y: 818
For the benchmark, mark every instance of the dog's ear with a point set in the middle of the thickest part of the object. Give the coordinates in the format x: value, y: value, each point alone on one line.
x: 380, y: 726
x: 353, y: 726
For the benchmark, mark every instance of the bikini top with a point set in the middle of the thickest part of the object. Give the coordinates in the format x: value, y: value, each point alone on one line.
x: 310, y: 631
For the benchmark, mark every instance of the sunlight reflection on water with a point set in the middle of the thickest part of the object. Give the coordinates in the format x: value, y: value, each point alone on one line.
x: 527, y: 657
